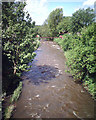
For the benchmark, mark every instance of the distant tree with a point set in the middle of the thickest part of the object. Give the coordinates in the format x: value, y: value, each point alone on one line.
x: 64, y: 25
x: 53, y: 20
x: 81, y: 18
x: 44, y: 30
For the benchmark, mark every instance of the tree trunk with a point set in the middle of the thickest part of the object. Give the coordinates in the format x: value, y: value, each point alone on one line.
x: 14, y: 68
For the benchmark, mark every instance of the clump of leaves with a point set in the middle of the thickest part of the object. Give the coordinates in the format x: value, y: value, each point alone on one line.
x: 16, y: 93
x: 90, y: 85
x: 15, y: 96
x: 8, y: 111
x: 18, y: 35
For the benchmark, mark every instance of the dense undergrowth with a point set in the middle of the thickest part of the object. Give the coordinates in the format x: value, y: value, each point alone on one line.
x: 81, y: 56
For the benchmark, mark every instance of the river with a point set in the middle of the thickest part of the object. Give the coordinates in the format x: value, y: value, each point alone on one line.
x: 49, y: 92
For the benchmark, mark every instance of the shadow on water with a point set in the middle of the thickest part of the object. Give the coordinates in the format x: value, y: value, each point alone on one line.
x: 40, y: 74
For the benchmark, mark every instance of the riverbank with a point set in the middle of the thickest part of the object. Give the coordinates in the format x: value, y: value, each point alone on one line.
x: 80, y: 54
x: 9, y: 102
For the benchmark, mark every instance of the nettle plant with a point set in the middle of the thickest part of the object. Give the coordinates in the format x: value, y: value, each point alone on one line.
x: 17, y: 34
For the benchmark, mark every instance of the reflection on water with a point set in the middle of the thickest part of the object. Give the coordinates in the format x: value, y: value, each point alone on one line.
x: 50, y: 92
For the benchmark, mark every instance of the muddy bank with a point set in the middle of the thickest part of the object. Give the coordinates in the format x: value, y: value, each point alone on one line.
x: 50, y: 92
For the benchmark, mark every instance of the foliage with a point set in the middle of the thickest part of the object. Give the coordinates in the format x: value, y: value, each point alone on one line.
x: 64, y: 25
x: 8, y: 111
x: 53, y: 20
x: 49, y: 27
x: 68, y: 42
x: 80, y: 54
x: 17, y: 34
x: 16, y: 93
x: 14, y: 98
x: 36, y: 30
x: 43, y: 31
x: 81, y: 18
x: 18, y: 46
x: 90, y: 85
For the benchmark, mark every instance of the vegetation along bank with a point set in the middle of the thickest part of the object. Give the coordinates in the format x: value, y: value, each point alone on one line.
x: 18, y: 46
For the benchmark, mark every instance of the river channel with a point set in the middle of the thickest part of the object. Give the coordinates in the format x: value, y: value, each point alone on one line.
x: 49, y: 92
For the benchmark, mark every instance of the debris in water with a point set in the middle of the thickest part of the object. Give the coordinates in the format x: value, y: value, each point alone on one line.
x: 58, y: 48
x: 82, y: 91
x: 30, y: 103
x: 44, y: 108
x: 38, y: 116
x: 60, y: 71
x: 57, y: 75
x: 62, y: 89
x: 56, y: 65
x: 34, y: 114
x: 37, y: 96
x: 53, y: 86
x: 53, y: 45
x: 76, y: 115
x: 29, y: 98
x: 47, y: 105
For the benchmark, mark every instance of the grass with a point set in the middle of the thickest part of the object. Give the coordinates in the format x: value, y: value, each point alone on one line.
x: 16, y: 93
x: 8, y: 111
x: 14, y: 98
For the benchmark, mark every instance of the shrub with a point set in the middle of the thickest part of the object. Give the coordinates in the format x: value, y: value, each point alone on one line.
x: 80, y: 54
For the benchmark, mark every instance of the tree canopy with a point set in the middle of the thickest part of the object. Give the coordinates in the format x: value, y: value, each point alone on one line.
x: 64, y: 25
x: 81, y: 18
x: 18, y: 44
x: 53, y: 20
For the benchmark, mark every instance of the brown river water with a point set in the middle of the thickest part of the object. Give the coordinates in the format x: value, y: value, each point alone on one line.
x: 49, y: 92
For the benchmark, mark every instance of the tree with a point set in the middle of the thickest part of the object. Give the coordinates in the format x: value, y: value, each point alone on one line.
x: 81, y: 18
x: 17, y: 41
x: 53, y: 20
x: 44, y: 30
x: 64, y: 25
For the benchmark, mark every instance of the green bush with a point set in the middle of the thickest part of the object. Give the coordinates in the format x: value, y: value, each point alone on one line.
x: 16, y: 93
x: 18, y: 35
x: 68, y: 42
x: 80, y: 54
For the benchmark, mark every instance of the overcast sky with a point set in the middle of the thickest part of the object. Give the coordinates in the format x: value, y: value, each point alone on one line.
x: 40, y: 9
